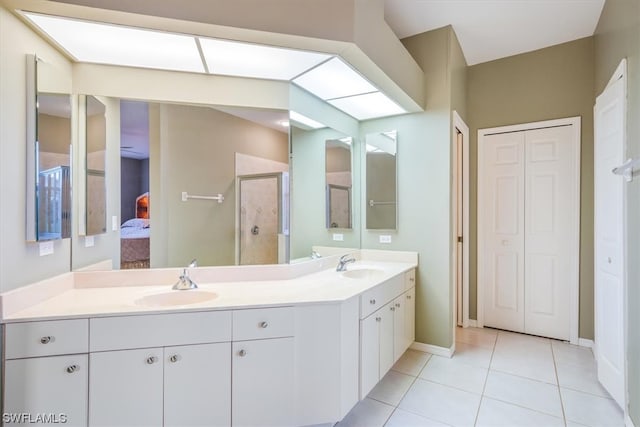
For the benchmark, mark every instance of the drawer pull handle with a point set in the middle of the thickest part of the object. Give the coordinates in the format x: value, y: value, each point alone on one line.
x: 412, y: 279
x: 408, y: 296
x: 46, y: 340
x: 73, y: 368
x: 151, y: 360
x: 175, y: 358
x: 392, y: 308
x: 372, y: 301
x: 398, y: 304
x: 378, y: 319
x: 242, y: 353
x: 263, y: 325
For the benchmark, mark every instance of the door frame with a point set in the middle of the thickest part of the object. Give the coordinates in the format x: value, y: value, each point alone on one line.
x: 574, y: 301
x: 459, y: 124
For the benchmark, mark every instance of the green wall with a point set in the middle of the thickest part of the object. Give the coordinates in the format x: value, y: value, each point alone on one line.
x: 618, y: 36
x: 546, y: 84
x: 424, y: 181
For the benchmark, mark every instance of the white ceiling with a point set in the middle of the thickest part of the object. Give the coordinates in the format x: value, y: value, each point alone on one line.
x: 493, y: 29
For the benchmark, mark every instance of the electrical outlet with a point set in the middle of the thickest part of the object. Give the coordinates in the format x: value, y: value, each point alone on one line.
x: 385, y: 238
x: 88, y: 241
x: 46, y: 248
x: 338, y: 237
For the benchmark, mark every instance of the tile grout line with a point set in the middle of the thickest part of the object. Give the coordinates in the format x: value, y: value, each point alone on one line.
x: 486, y: 378
x: 555, y: 368
x: 409, y: 388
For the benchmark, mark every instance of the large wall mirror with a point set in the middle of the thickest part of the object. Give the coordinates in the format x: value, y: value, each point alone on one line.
x: 381, y: 180
x: 96, y: 146
x: 48, y: 161
x: 339, y: 181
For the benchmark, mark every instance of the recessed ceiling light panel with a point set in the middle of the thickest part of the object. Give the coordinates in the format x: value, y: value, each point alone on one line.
x: 368, y: 106
x: 334, y: 79
x: 233, y: 58
x: 304, y: 120
x: 118, y: 45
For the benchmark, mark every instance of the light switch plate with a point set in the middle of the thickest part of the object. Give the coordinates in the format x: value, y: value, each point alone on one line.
x: 46, y: 248
x: 88, y: 241
x: 114, y: 223
x: 385, y: 238
x: 338, y: 237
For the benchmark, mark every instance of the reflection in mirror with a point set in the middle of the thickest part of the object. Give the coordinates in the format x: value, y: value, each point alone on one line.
x: 96, y: 200
x: 53, y: 166
x: 203, y: 151
x: 381, y: 177
x: 339, y: 182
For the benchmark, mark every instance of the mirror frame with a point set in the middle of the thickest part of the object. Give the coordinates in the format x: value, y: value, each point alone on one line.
x: 32, y: 148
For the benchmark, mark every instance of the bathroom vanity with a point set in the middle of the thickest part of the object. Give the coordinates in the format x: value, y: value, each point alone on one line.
x: 275, y: 345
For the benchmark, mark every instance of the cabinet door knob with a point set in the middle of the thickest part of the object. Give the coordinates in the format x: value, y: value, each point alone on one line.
x: 151, y: 360
x: 412, y: 279
x: 174, y: 358
x: 398, y: 304
x: 242, y: 353
x: 609, y: 260
x: 263, y: 325
x: 408, y: 296
x: 378, y: 319
x: 73, y: 368
x: 372, y: 301
x: 46, y: 340
x: 392, y: 308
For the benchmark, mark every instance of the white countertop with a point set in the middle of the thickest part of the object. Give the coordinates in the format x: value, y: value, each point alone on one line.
x: 324, y: 286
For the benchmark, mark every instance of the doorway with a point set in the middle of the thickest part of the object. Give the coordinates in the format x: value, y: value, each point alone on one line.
x: 529, y: 228
x: 460, y: 221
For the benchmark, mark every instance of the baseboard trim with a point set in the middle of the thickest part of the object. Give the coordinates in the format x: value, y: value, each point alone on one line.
x: 433, y: 349
x: 473, y: 323
x: 583, y: 342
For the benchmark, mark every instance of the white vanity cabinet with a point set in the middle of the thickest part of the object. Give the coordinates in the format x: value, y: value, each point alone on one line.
x: 183, y: 378
x: 45, y: 372
x: 263, y: 367
x: 386, y: 333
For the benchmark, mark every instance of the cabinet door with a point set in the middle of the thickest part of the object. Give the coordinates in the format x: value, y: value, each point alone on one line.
x: 197, y: 385
x: 369, y: 353
x: 386, y: 339
x: 262, y: 390
x: 47, y: 386
x: 409, y: 317
x: 399, y: 336
x: 125, y: 388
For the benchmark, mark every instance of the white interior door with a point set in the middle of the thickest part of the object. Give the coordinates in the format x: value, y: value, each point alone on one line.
x: 501, y: 202
x: 609, y: 240
x: 528, y: 219
x: 550, y: 219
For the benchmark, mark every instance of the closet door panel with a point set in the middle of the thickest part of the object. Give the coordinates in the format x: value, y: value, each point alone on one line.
x: 501, y: 205
x: 550, y: 219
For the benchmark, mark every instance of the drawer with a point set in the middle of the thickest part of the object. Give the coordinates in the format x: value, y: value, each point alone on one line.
x: 159, y: 330
x: 378, y: 296
x: 33, y: 339
x: 262, y: 323
x: 409, y: 279
x: 372, y: 300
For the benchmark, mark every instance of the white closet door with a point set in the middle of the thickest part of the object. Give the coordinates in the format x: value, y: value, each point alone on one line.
x: 550, y: 224
x: 501, y: 205
x: 609, y: 240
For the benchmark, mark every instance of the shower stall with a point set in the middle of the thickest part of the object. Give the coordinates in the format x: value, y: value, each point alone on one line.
x: 263, y: 219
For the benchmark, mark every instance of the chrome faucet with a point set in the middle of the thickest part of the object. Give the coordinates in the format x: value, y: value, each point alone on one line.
x: 315, y: 255
x: 185, y: 282
x: 344, y: 260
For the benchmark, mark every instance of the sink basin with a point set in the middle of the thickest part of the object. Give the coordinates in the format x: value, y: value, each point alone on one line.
x: 174, y: 298
x: 363, y: 273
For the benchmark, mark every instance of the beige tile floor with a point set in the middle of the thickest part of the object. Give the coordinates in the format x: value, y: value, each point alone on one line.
x: 495, y: 378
